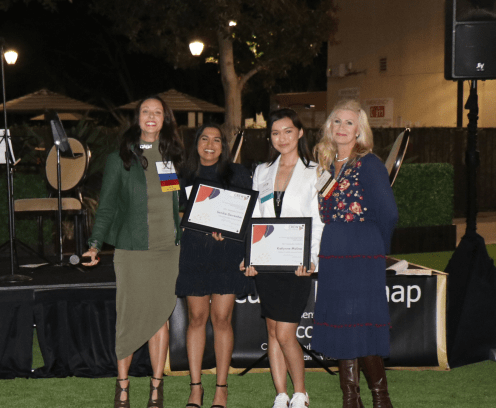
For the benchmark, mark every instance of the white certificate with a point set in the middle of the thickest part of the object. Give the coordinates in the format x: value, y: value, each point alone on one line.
x: 279, y: 245
x: 219, y: 209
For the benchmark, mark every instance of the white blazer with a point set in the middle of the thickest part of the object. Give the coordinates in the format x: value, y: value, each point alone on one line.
x: 300, y: 198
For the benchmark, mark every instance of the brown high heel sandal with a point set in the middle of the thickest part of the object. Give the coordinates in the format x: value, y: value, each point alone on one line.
x: 159, y: 402
x: 190, y: 404
x: 118, y: 392
x: 220, y: 406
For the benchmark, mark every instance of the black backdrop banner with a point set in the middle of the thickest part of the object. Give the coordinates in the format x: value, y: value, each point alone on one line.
x: 417, y: 304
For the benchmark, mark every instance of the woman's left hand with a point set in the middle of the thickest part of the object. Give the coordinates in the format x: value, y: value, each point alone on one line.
x: 302, y: 271
x: 217, y: 236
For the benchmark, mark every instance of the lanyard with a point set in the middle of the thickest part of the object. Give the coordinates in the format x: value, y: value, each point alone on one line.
x: 341, y: 171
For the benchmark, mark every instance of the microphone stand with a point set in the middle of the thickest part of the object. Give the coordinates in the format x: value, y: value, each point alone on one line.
x: 63, y: 148
x: 71, y: 155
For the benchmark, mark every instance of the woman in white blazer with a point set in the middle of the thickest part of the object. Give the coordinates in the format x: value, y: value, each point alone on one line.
x: 286, y: 186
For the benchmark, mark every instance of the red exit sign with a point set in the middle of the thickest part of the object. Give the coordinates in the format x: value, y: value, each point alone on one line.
x: 377, y: 111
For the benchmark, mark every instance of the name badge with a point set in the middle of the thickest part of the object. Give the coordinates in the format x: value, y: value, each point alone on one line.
x: 326, y: 184
x: 167, y: 176
x: 266, y: 192
x: 322, y: 180
x: 329, y: 188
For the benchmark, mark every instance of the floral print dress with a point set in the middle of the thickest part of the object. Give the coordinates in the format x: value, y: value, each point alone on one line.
x: 351, y: 313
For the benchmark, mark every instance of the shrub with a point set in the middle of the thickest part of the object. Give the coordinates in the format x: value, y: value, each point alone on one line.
x: 424, y: 194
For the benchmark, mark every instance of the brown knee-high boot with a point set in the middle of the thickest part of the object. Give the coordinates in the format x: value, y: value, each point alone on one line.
x: 375, y: 373
x: 349, y: 378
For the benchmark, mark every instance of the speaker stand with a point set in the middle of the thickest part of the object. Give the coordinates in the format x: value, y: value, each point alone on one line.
x: 472, y: 159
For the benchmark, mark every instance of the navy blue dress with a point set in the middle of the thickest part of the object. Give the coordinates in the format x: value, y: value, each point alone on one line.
x: 351, y: 312
x: 207, y: 266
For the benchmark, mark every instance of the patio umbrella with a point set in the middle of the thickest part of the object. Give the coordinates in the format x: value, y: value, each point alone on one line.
x: 64, y: 116
x: 181, y: 102
x: 43, y: 100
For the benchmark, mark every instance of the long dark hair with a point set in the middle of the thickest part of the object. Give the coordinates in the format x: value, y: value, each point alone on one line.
x: 303, y: 150
x: 170, y: 143
x: 192, y: 166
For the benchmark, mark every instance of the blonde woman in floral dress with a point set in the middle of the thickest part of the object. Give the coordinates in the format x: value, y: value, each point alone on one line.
x: 351, y: 321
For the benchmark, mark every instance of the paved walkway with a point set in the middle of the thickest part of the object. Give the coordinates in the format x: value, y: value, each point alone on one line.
x: 486, y: 227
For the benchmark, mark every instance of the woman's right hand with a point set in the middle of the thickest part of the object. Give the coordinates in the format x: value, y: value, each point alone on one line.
x: 93, y: 253
x: 217, y: 236
x: 249, y: 271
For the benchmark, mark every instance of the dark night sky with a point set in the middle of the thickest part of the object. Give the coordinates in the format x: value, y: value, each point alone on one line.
x: 72, y: 53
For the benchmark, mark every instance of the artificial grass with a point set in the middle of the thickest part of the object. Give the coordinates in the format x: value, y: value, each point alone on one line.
x: 438, y: 260
x: 464, y: 387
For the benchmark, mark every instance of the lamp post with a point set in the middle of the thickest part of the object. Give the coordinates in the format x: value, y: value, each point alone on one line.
x: 10, y: 57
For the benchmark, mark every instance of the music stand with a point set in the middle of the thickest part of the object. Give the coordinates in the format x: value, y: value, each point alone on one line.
x: 4, y: 151
x: 63, y: 148
x: 397, y: 154
x: 236, y: 149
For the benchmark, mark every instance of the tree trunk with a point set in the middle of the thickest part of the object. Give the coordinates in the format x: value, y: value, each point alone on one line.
x: 232, y: 86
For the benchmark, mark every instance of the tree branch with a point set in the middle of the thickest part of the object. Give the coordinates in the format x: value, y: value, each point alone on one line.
x: 246, y: 77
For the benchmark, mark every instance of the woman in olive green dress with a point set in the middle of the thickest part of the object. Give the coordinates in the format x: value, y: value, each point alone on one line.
x: 138, y: 213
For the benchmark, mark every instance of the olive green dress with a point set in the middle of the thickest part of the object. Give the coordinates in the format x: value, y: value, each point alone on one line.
x: 146, y: 280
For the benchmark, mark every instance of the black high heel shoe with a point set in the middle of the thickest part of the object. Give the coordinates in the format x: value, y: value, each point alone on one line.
x: 220, y: 406
x: 118, y: 392
x: 159, y: 401
x: 202, y: 394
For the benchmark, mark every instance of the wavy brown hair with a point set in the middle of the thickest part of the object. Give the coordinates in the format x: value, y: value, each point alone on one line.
x: 326, y: 149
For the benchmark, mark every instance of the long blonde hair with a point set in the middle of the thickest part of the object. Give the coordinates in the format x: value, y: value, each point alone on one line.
x: 326, y: 149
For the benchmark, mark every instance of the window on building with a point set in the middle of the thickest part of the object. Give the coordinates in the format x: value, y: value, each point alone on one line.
x: 383, y: 64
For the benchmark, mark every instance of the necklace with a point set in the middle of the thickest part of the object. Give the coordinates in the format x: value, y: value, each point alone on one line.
x: 279, y: 191
x: 341, y: 160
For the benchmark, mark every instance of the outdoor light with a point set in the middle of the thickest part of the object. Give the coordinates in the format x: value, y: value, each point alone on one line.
x: 10, y: 57
x: 232, y: 23
x: 196, y: 48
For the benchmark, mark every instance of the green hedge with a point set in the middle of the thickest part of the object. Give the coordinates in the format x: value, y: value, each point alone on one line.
x: 424, y: 194
x: 26, y: 185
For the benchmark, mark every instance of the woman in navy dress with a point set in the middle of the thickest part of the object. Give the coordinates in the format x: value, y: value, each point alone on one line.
x: 351, y: 321
x: 209, y: 275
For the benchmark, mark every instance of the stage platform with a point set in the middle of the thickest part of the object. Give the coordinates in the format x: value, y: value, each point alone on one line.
x: 72, y: 312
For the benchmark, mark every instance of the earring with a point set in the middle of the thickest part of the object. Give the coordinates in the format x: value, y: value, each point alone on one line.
x: 357, y: 136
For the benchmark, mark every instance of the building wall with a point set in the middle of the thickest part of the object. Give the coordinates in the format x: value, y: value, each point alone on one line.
x: 410, y: 35
x: 310, y: 106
